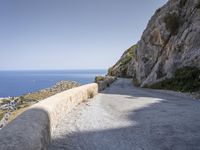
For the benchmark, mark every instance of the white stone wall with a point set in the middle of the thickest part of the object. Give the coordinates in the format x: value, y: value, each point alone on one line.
x: 32, y: 129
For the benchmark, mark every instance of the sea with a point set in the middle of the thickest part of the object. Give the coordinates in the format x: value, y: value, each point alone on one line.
x: 16, y: 83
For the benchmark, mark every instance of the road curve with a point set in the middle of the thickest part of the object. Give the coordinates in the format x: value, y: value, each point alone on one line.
x: 124, y: 117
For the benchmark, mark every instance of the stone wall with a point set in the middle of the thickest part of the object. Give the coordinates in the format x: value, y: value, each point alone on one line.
x: 104, y: 81
x: 32, y: 129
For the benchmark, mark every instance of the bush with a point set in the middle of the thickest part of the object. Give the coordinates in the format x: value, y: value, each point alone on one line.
x: 130, y: 54
x: 172, y: 22
x: 99, y: 78
x: 110, y: 71
x: 126, y: 60
x: 132, y: 50
x: 182, y: 3
x: 198, y: 4
x: 186, y: 79
x: 158, y: 10
x: 1, y: 115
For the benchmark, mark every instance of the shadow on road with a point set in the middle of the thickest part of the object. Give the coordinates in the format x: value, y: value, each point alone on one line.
x: 160, y: 121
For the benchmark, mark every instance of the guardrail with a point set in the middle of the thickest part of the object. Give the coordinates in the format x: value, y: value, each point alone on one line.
x: 32, y: 129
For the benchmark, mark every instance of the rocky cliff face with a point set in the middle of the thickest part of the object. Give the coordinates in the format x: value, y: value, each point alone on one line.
x: 121, y: 68
x: 170, y: 41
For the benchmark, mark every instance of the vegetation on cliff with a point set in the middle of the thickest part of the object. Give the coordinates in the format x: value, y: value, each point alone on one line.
x: 121, y: 67
x: 170, y: 41
x: 57, y: 88
x: 172, y: 22
x: 198, y: 4
x: 186, y: 79
x: 1, y: 114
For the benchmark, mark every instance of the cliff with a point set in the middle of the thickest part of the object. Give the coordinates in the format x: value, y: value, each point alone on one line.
x: 169, y: 42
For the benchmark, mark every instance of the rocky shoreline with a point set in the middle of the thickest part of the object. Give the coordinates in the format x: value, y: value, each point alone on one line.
x: 11, y: 107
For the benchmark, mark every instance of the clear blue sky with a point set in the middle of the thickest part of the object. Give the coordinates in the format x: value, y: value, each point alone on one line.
x: 70, y: 34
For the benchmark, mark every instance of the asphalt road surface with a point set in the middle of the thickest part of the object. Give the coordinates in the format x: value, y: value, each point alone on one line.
x: 124, y: 117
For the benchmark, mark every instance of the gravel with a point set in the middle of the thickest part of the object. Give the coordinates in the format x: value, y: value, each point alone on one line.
x: 124, y: 117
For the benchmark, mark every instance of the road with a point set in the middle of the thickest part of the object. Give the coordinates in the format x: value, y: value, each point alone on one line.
x: 124, y: 117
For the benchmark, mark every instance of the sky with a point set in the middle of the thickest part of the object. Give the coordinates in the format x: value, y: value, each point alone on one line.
x: 70, y: 34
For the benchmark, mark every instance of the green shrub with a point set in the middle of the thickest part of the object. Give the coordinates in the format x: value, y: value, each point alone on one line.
x: 182, y: 3
x: 130, y: 54
x: 132, y: 50
x: 158, y: 10
x: 186, y: 79
x: 4, y: 100
x: 198, y: 4
x: 124, y: 72
x: 126, y: 60
x: 172, y: 22
x: 99, y: 78
x: 1, y: 115
x: 110, y: 71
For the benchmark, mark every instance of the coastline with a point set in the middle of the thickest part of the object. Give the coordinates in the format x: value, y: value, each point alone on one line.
x: 17, y: 83
x: 11, y: 107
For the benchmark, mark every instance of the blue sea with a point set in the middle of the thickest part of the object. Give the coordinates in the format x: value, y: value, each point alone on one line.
x: 16, y: 83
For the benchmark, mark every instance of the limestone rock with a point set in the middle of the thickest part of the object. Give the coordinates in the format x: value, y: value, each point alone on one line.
x: 170, y: 41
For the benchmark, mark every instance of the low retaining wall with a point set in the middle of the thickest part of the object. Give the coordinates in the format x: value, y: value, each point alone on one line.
x: 32, y: 129
x: 104, y: 81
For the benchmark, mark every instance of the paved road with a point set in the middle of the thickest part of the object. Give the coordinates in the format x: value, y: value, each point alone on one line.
x: 124, y: 117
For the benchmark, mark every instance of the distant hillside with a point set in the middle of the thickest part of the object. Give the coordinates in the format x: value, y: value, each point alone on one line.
x: 120, y: 69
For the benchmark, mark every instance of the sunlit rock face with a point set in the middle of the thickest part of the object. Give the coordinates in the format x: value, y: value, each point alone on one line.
x: 170, y: 41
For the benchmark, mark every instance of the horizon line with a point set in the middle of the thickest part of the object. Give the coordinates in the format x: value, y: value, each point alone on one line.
x: 51, y: 69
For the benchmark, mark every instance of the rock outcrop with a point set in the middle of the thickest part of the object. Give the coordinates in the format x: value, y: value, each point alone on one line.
x: 170, y: 41
x: 104, y: 81
x: 122, y: 67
